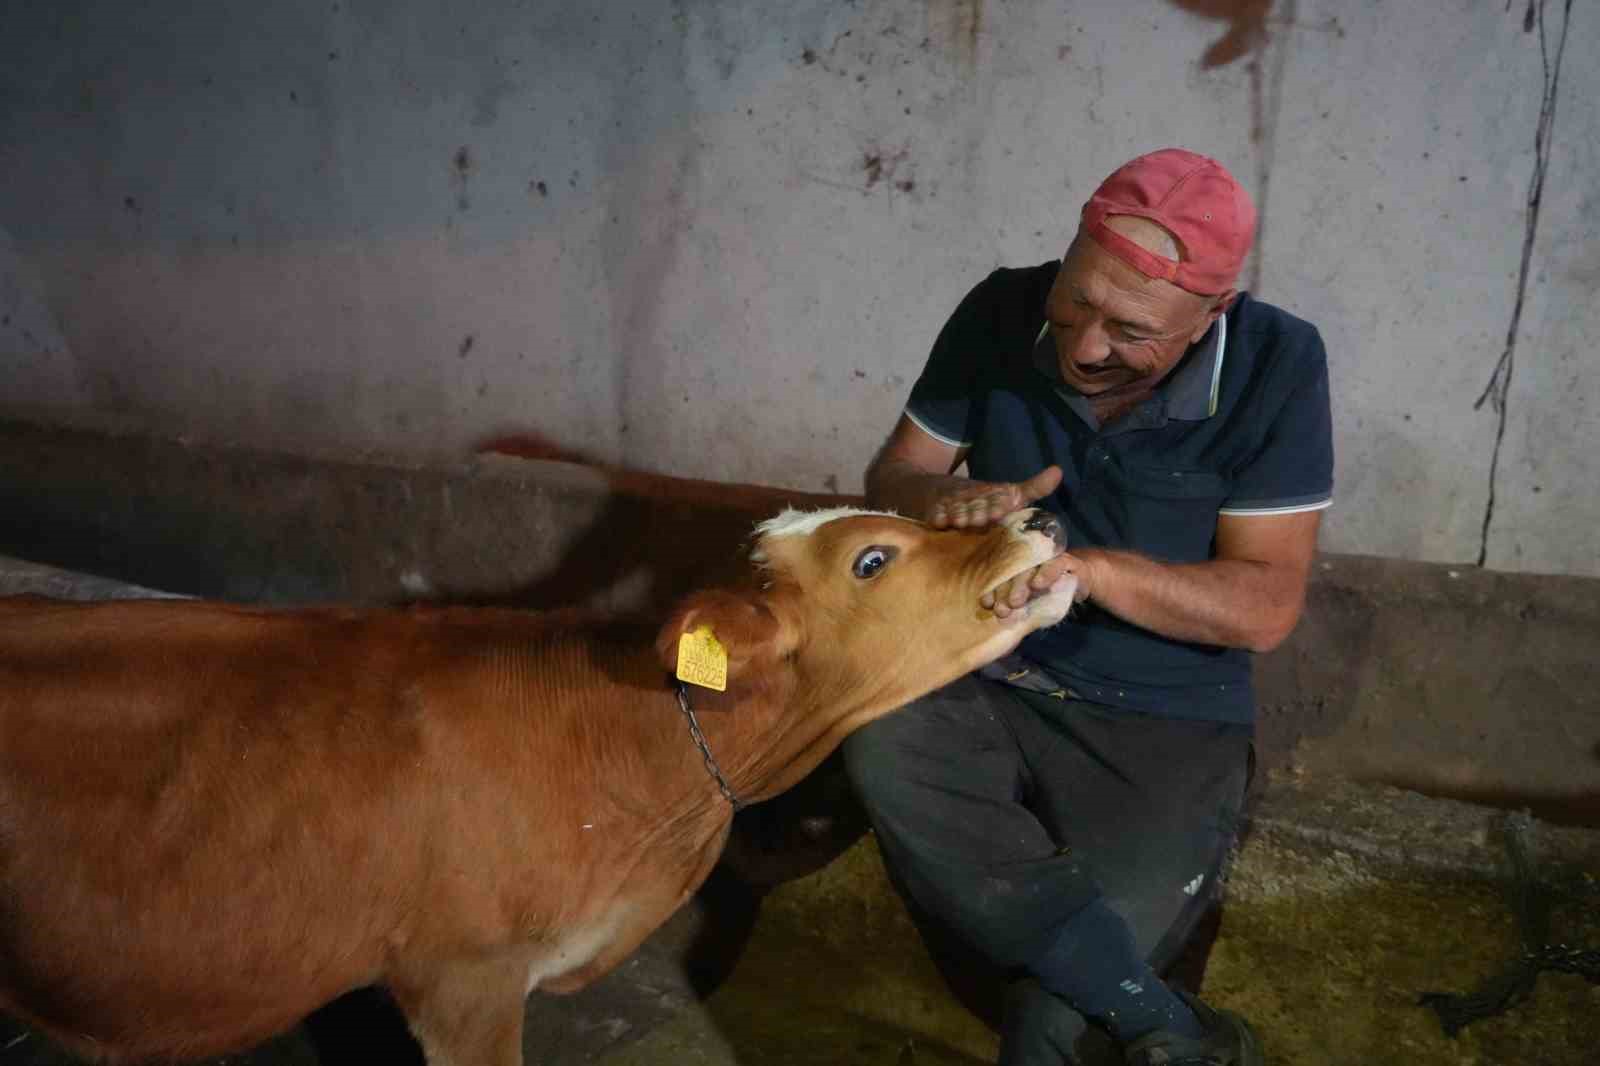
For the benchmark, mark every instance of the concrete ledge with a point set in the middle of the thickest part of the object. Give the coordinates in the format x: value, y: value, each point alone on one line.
x: 272, y: 528
x: 1400, y: 832
x: 1452, y: 681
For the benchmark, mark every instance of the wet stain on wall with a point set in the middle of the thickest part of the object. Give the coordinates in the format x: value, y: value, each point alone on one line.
x: 880, y: 165
x: 460, y: 172
x: 956, y: 26
x: 1246, y: 37
x: 1246, y: 27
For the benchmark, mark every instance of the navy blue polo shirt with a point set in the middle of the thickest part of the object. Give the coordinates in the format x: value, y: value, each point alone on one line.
x: 1240, y: 426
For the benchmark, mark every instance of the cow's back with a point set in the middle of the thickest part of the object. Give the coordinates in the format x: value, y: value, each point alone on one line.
x: 174, y: 773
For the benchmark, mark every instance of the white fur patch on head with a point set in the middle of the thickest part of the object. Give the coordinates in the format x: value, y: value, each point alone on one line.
x: 795, y: 523
x: 792, y: 522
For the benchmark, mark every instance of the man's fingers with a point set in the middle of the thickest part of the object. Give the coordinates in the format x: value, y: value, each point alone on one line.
x: 983, y: 504
x: 1020, y: 494
x: 1008, y: 596
x: 1039, y: 486
x: 1047, y: 574
x: 962, y: 512
x: 995, y: 505
x: 1019, y: 591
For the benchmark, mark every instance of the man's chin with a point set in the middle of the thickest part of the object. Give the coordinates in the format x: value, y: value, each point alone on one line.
x: 1098, y: 385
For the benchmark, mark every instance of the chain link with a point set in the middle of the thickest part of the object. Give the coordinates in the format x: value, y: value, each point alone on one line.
x: 1579, y: 961
x: 699, y: 739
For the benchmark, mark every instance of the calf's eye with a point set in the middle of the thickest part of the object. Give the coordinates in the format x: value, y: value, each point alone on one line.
x: 871, y: 560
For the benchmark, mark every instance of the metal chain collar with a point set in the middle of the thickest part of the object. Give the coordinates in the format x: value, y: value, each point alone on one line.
x: 699, y: 739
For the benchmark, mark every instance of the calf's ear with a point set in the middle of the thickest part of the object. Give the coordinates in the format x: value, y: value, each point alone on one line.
x: 743, y: 625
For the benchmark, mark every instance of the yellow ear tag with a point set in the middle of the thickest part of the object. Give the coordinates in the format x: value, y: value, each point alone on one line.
x: 702, y: 660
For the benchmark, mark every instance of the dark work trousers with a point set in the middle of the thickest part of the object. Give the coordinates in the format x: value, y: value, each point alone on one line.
x: 1000, y: 812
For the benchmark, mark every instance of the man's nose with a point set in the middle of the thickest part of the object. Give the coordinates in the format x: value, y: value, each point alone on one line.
x: 1083, y: 345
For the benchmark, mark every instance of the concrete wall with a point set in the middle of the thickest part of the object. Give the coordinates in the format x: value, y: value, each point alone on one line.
x: 716, y: 237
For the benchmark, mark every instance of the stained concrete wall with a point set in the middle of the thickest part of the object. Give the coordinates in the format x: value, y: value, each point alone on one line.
x: 716, y: 237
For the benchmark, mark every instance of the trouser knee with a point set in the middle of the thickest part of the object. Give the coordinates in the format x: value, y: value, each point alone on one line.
x: 951, y: 847
x: 872, y: 760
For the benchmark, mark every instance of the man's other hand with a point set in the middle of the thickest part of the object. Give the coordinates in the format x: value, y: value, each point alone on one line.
x: 1014, y: 594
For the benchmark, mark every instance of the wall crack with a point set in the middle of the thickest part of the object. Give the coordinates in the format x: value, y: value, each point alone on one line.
x: 1497, y: 392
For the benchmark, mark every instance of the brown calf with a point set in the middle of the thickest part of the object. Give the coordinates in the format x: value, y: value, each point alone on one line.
x: 215, y: 819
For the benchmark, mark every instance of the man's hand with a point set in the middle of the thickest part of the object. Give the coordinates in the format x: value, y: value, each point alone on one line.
x: 912, y: 474
x: 1248, y: 595
x: 1013, y: 595
x: 978, y: 503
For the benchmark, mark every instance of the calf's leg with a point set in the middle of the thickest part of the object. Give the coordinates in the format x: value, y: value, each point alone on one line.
x: 467, y: 1013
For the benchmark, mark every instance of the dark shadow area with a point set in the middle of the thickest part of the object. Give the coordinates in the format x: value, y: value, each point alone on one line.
x: 1299, y: 698
x: 798, y: 832
x: 154, y: 513
x: 731, y: 906
x: 364, y: 1026
x: 678, y: 534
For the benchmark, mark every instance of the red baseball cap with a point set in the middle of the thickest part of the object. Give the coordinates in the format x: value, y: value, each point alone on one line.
x: 1195, y: 199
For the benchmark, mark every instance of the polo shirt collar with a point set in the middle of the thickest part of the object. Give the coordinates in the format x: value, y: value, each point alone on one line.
x: 1193, y: 388
x: 1189, y: 394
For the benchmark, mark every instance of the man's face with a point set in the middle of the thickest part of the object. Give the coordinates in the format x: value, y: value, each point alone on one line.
x: 1117, y: 331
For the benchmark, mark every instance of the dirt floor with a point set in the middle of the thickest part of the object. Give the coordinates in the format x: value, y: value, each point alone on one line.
x: 1345, y: 904
x: 1327, y: 941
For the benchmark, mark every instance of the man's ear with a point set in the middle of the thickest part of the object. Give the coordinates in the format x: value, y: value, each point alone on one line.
x: 742, y: 622
x: 1216, y: 306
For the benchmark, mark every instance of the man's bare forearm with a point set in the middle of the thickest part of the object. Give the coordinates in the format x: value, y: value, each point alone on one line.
x: 1235, y: 603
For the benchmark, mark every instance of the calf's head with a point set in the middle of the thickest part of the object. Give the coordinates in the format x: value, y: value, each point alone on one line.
x: 860, y: 612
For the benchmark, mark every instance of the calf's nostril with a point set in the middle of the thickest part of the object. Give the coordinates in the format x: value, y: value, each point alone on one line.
x: 1048, y: 524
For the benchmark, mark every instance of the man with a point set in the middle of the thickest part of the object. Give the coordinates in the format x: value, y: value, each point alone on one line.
x: 1065, y: 815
